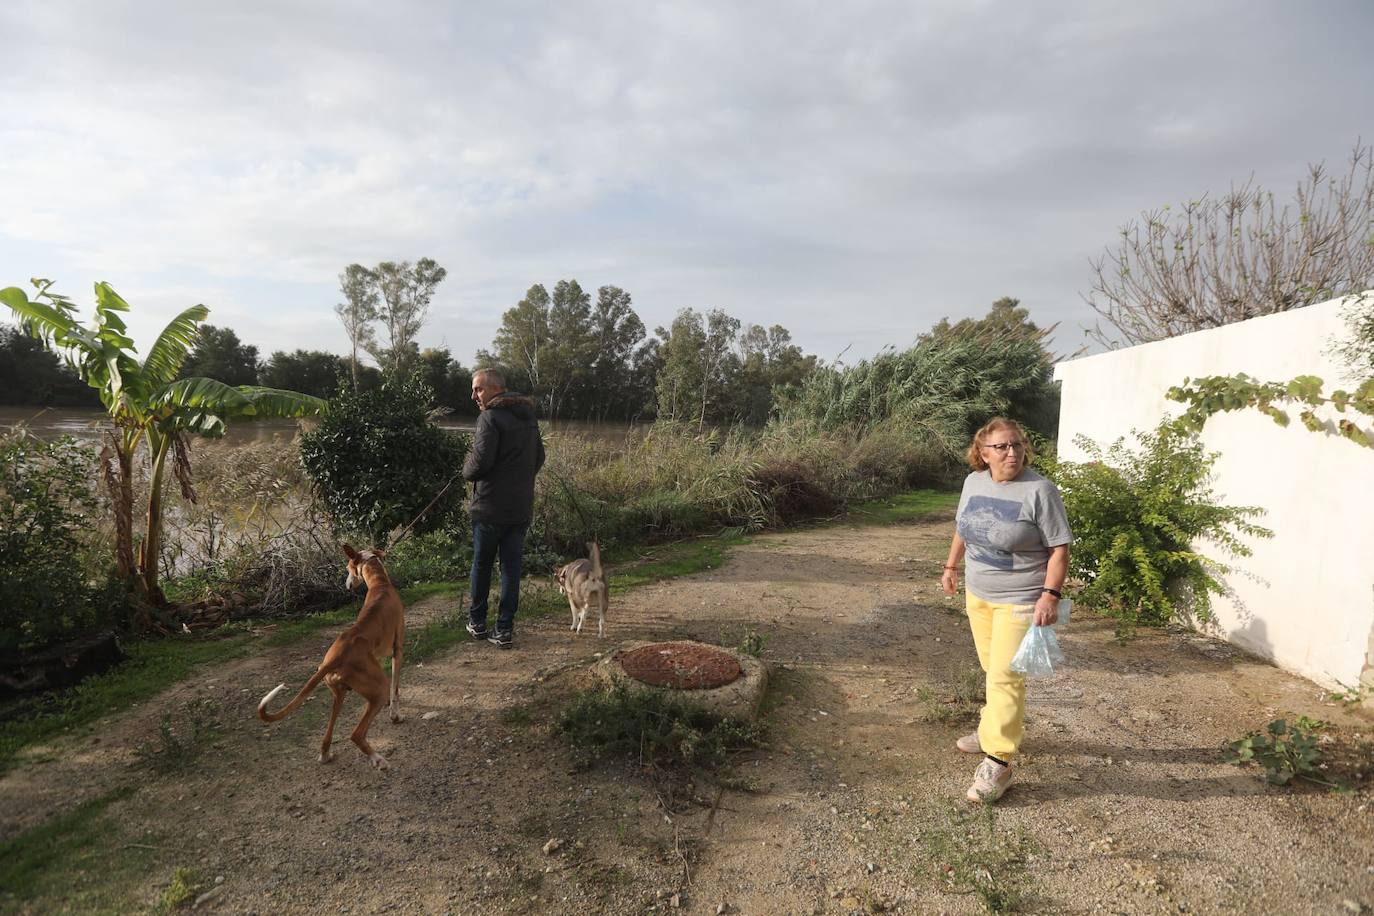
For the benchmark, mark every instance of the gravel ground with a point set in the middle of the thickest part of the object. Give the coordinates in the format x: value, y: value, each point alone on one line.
x: 1121, y: 801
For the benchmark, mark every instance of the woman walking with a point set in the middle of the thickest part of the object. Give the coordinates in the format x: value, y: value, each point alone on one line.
x: 1013, y: 535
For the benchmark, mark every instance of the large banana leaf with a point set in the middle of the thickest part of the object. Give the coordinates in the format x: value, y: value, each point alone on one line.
x: 172, y: 345
x: 47, y: 322
x: 275, y: 402
x: 203, y: 405
x: 111, y: 327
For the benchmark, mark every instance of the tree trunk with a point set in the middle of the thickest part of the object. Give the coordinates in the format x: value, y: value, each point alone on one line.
x: 150, y: 554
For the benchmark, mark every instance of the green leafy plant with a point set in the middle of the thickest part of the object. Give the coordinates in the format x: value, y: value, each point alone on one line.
x: 149, y: 406
x: 1348, y: 694
x: 46, y: 500
x: 752, y: 643
x: 180, y: 892
x: 1285, y: 752
x: 1136, y: 515
x: 377, y: 460
x: 1214, y: 394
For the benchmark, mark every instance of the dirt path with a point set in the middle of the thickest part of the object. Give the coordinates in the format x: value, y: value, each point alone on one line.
x: 1121, y: 802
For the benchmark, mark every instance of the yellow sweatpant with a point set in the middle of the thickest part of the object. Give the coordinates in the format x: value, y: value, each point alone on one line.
x: 997, y: 633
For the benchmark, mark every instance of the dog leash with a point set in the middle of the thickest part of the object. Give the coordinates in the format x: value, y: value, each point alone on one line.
x: 406, y: 530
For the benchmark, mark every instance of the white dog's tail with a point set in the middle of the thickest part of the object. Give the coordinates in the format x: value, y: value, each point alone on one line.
x: 596, y: 561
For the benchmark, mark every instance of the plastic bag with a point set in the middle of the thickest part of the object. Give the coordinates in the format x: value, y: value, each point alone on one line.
x: 1038, y: 654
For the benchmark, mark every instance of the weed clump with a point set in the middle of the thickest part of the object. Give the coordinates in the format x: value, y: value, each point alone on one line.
x: 956, y: 702
x: 176, y: 749
x: 655, y: 730
x: 976, y: 856
x: 180, y: 892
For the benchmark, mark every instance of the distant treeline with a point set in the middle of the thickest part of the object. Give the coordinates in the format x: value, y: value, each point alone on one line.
x: 595, y: 360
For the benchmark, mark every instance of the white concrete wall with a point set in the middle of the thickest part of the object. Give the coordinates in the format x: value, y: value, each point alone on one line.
x: 1305, y: 599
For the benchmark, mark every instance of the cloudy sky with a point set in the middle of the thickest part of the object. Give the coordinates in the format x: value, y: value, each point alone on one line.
x: 853, y: 171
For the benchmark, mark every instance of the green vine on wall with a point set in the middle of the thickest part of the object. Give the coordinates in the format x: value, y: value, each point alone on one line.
x: 1205, y: 397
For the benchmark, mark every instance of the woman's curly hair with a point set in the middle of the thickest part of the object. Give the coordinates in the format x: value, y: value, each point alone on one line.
x: 980, y: 438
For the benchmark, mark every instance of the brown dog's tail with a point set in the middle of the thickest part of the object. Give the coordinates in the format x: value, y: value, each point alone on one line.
x: 295, y: 703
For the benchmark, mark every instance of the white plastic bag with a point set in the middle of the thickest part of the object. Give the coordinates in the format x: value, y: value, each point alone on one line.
x: 1038, y: 654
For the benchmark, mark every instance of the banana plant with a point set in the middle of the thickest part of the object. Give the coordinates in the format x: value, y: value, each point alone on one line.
x: 148, y: 406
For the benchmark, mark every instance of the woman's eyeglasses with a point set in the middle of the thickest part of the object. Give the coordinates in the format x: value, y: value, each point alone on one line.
x: 1002, y: 447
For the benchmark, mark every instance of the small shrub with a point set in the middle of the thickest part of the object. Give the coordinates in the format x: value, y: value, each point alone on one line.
x: 53, y: 586
x: 752, y: 643
x: 1136, y: 515
x: 1285, y: 752
x: 180, y: 892
x: 377, y: 461
x: 653, y: 729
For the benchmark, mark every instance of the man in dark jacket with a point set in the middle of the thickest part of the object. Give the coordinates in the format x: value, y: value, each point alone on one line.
x: 507, y: 451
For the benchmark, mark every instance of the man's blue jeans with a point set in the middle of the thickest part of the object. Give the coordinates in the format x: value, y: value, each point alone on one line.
x: 489, y: 542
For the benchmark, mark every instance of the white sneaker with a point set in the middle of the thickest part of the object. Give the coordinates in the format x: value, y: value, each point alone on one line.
x: 970, y: 744
x: 990, y: 780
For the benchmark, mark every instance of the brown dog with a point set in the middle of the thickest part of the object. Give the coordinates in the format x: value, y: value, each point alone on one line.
x: 353, y: 661
x: 584, y: 581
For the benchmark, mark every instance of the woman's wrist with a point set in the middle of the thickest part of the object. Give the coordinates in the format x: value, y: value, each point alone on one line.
x: 954, y: 568
x: 1051, y: 591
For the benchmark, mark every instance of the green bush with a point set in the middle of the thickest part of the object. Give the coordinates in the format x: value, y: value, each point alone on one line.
x: 443, y: 555
x: 941, y: 389
x: 1137, y: 515
x: 376, y: 461
x: 53, y: 586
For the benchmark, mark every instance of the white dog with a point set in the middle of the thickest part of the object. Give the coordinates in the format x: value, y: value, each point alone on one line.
x: 584, y: 581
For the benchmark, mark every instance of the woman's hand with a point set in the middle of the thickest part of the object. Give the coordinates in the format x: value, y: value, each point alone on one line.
x: 949, y: 580
x: 1046, y: 610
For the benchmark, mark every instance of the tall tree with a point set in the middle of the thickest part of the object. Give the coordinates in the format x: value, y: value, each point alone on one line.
x: 31, y: 374
x: 769, y: 364
x: 617, y: 331
x: 357, y: 312
x: 1213, y: 261
x: 312, y: 372
x: 681, y: 372
x: 406, y: 290
x: 570, y: 348
x: 1006, y: 318
x: 522, y: 340
x: 699, y: 366
x: 219, y: 354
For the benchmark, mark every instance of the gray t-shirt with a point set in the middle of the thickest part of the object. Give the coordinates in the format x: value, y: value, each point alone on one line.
x: 1008, y: 530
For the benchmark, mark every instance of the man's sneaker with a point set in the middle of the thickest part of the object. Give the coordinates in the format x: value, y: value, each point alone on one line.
x: 970, y: 744
x: 501, y: 639
x: 990, y: 780
x: 476, y: 630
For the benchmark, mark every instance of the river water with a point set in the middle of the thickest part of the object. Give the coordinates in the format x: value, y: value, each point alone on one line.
x: 51, y: 422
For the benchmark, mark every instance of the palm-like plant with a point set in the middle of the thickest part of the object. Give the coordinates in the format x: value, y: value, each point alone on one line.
x: 148, y: 405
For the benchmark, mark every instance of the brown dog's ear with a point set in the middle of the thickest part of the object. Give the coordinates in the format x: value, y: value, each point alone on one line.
x: 350, y: 552
x: 378, y: 552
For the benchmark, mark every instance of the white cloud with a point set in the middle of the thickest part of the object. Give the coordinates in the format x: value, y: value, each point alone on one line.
x: 848, y: 170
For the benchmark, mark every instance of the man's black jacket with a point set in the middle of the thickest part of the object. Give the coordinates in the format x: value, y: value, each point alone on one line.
x: 507, y: 452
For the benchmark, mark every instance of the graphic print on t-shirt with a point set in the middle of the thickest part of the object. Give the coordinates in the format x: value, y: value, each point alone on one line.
x: 986, y: 522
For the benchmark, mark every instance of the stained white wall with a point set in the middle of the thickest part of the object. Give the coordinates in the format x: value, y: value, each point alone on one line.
x: 1305, y: 599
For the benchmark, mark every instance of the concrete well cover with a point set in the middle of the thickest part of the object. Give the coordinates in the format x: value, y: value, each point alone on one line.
x: 681, y: 665
x: 712, y: 679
